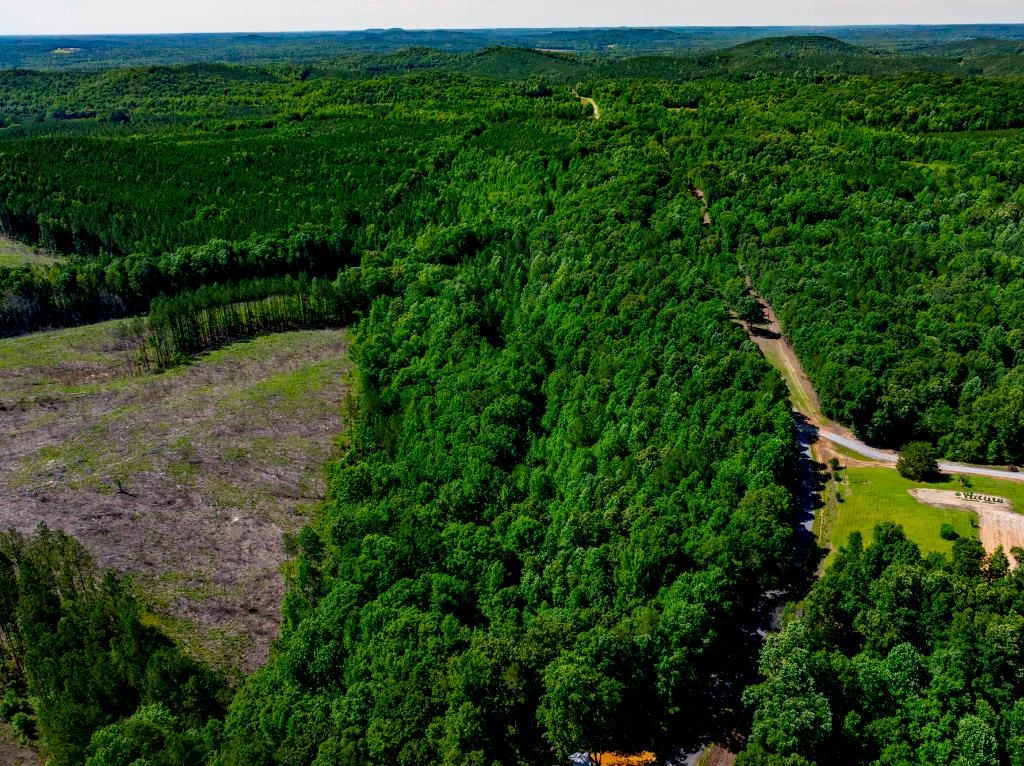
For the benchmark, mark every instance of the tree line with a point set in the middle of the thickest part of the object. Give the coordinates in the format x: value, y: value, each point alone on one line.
x: 189, y: 323
x: 83, y: 672
x: 82, y: 290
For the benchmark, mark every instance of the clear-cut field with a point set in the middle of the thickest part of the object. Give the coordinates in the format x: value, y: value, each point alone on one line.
x: 189, y: 480
x: 14, y: 253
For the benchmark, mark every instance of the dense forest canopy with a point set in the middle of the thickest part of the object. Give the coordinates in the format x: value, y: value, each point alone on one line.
x: 898, y: 659
x: 570, y: 479
x: 879, y: 215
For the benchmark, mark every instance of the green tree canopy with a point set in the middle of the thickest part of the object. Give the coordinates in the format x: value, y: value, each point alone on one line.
x: 918, y: 461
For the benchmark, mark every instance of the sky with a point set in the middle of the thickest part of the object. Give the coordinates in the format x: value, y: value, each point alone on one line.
x: 20, y: 17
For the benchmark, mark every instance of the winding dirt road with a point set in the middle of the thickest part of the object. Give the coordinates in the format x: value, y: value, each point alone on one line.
x: 699, y: 194
x: 777, y: 349
x: 589, y: 101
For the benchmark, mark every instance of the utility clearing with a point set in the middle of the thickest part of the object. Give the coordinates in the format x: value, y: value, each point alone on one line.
x: 188, y: 480
x: 999, y: 525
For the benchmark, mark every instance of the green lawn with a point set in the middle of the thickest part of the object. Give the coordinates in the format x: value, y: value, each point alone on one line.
x: 871, y: 496
x: 982, y: 485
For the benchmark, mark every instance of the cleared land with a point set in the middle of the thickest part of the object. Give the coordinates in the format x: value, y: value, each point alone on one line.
x: 14, y: 253
x: 768, y: 337
x: 188, y: 479
x: 1000, y: 526
x: 872, y: 495
x: 13, y: 754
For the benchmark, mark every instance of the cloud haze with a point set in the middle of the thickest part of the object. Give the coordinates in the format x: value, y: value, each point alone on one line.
x: 124, y: 16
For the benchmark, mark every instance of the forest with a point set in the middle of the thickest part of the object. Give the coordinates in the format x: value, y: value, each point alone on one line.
x: 571, y: 480
x: 897, y: 659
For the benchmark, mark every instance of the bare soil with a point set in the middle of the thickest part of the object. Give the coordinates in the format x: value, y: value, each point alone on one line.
x: 717, y: 756
x: 188, y: 479
x: 619, y: 759
x: 999, y: 524
x: 768, y: 337
x: 13, y: 754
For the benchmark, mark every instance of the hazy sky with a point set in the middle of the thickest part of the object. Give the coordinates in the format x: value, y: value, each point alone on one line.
x: 110, y: 16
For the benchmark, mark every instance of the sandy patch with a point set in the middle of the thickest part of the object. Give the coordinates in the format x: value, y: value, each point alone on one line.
x: 999, y: 524
x: 717, y: 756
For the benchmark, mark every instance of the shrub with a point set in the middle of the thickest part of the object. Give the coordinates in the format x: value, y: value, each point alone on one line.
x: 24, y: 726
x: 918, y: 462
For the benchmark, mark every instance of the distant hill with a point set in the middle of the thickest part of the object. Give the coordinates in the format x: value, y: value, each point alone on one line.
x: 519, y: 63
x: 97, y: 52
x: 974, y: 48
x: 796, y: 45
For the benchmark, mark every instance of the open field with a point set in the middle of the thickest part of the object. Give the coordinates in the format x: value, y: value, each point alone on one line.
x: 1000, y: 526
x: 872, y: 495
x: 188, y: 479
x: 14, y: 253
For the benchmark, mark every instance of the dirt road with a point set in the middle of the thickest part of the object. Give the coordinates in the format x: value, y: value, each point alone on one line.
x: 699, y: 194
x: 589, y: 102
x: 999, y: 525
x: 777, y: 349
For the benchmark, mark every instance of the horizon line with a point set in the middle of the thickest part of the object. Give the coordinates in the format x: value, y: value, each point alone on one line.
x: 666, y: 27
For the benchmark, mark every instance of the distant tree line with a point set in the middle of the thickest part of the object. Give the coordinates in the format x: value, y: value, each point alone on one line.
x: 92, y: 289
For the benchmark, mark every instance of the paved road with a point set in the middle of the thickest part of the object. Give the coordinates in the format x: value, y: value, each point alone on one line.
x: 855, y: 445
x: 888, y: 456
x: 979, y: 470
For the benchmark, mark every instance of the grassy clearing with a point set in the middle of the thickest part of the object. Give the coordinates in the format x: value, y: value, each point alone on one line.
x: 870, y: 496
x: 187, y: 479
x: 91, y: 345
x: 983, y: 485
x: 14, y: 253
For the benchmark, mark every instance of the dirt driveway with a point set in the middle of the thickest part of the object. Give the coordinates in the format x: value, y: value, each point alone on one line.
x: 999, y: 524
